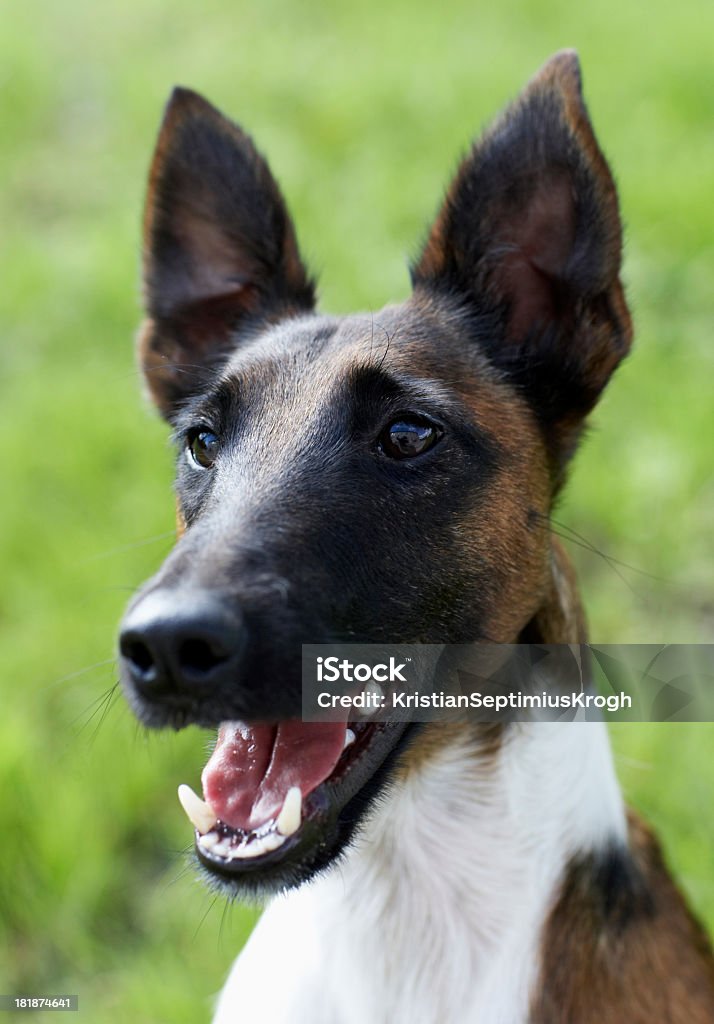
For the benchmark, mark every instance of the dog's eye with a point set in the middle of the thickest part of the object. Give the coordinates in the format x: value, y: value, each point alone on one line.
x: 406, y: 438
x: 202, y: 448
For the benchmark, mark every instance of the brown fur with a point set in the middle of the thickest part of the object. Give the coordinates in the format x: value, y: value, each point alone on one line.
x: 560, y: 619
x: 625, y: 953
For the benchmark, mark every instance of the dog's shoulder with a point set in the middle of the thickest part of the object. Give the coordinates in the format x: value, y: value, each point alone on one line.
x: 621, y: 943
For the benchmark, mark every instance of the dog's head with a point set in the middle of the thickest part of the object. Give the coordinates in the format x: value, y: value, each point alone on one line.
x: 363, y: 478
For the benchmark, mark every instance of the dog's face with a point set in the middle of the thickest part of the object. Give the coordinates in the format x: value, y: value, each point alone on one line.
x: 364, y: 479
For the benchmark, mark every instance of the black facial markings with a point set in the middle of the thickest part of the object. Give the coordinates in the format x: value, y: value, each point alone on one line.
x: 353, y: 415
x: 377, y: 398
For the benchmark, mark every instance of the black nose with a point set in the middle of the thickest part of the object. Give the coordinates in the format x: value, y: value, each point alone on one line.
x: 175, y: 642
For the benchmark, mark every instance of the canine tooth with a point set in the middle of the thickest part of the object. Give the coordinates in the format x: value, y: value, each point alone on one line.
x: 208, y: 841
x: 288, y: 820
x: 199, y: 813
x: 375, y: 695
x: 349, y: 739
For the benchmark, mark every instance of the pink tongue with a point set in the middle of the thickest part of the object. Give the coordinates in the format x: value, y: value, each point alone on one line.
x: 252, y: 768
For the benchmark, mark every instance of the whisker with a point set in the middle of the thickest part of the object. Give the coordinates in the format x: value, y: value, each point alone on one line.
x: 97, y: 700
x: 224, y: 920
x: 128, y: 547
x: 386, y: 350
x: 198, y: 369
x: 186, y: 869
x: 609, y: 558
x: 633, y: 762
x: 104, y: 703
x: 567, y: 533
x: 606, y: 558
x: 208, y: 911
x: 78, y: 673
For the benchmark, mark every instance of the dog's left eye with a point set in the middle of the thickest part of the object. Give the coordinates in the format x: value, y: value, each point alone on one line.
x: 202, y: 448
x: 406, y: 438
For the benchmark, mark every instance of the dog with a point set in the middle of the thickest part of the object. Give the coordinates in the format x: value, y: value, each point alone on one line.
x: 389, y: 478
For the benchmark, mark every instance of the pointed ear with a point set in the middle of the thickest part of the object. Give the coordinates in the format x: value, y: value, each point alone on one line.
x: 529, y: 234
x: 220, y: 253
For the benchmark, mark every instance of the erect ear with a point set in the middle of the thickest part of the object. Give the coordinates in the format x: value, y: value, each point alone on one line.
x: 220, y: 253
x: 530, y: 233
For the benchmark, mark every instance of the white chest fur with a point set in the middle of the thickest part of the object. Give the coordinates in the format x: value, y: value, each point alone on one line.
x: 435, y: 915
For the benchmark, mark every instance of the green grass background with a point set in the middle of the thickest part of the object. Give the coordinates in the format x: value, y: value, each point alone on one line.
x: 362, y: 109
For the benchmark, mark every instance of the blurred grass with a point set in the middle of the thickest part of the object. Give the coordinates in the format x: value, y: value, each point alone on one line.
x: 362, y: 110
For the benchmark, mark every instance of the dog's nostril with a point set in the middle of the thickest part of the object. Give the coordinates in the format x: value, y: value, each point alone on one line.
x: 139, y: 655
x: 198, y: 655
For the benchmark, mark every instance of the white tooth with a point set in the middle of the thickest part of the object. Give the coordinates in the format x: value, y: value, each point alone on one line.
x: 349, y: 738
x: 258, y: 847
x: 375, y: 695
x: 288, y: 820
x: 207, y: 842
x: 272, y: 841
x: 199, y: 813
x: 244, y: 853
x: 222, y: 849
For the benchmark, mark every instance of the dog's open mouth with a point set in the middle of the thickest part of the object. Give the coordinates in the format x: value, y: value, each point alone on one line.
x: 275, y: 793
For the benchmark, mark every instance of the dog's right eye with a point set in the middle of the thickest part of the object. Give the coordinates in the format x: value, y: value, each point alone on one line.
x: 408, y: 437
x: 202, y: 448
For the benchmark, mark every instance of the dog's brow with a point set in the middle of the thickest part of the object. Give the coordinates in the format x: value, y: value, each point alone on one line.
x: 372, y: 381
x: 209, y: 404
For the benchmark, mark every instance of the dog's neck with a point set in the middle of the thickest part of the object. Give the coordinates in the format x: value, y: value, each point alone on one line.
x: 450, y: 888
x: 438, y: 910
x: 445, y: 899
